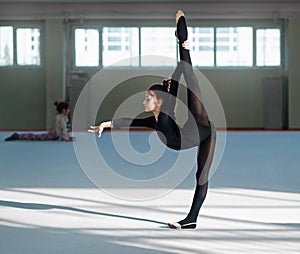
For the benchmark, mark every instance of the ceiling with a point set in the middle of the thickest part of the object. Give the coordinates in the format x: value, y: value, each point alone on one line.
x: 151, y: 1
x: 154, y: 9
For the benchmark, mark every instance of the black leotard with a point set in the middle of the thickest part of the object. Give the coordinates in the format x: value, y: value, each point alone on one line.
x: 197, y: 131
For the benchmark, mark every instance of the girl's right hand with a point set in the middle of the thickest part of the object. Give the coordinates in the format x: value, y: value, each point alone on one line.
x: 98, y: 129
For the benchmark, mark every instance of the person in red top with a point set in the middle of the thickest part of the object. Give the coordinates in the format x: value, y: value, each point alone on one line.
x: 198, y: 131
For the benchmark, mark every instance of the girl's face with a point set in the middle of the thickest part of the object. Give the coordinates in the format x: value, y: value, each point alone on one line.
x: 65, y: 111
x: 151, y: 103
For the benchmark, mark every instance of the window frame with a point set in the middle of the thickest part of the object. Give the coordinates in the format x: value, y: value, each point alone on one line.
x: 254, y: 24
x: 281, y: 32
x: 16, y: 48
x: 13, y: 46
x: 74, y: 48
x: 139, y: 47
x: 234, y: 66
x: 16, y: 26
x: 73, y: 43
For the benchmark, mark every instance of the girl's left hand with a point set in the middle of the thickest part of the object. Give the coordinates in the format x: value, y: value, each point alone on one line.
x: 186, y: 45
x: 100, y: 128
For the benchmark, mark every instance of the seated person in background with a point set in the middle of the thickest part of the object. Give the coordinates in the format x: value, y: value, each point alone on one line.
x: 59, y: 133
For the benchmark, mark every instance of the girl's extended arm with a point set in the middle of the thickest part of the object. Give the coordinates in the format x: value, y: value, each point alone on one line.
x: 101, y: 127
x: 148, y: 122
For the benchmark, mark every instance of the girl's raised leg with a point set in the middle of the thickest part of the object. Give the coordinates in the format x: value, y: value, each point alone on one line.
x: 194, y: 94
x: 206, y: 130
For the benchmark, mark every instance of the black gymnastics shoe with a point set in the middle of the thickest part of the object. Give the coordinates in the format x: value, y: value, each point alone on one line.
x: 179, y: 14
x: 14, y: 136
x: 176, y: 225
x: 181, y: 29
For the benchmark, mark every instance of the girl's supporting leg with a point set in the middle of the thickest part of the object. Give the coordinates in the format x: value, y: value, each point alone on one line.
x: 204, y: 161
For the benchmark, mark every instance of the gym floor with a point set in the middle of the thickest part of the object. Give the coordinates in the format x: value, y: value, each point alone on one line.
x: 49, y: 205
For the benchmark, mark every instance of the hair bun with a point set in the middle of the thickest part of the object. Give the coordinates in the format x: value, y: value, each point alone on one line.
x: 56, y: 103
x: 167, y: 84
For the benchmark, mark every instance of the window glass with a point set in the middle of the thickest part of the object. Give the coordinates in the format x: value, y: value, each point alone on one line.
x: 234, y: 46
x: 28, y: 46
x: 268, y: 47
x: 120, y: 46
x: 86, y: 47
x: 158, y: 41
x: 6, y: 46
x: 202, y: 45
x: 210, y: 47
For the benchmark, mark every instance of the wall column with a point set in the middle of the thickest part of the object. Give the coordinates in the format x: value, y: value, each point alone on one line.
x: 294, y: 74
x: 54, y: 67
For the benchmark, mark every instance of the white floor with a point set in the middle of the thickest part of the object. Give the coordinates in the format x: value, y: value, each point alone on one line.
x: 48, y: 205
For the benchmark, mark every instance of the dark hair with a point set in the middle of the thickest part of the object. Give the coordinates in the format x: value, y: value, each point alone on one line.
x: 161, y: 91
x: 60, y: 106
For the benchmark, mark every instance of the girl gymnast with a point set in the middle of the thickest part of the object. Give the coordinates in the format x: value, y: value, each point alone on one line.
x: 198, y: 131
x: 59, y: 133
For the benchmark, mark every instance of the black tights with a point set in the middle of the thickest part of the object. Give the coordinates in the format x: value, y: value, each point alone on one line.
x: 207, y: 143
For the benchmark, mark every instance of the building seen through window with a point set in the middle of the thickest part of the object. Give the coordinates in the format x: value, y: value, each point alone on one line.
x: 268, y: 47
x: 6, y: 46
x: 28, y: 46
x: 158, y: 41
x: 234, y: 46
x: 120, y: 46
x: 86, y: 47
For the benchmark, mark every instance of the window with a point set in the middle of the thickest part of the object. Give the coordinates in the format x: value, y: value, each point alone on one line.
x: 234, y: 46
x: 158, y: 41
x: 211, y: 46
x: 86, y: 47
x: 22, y: 49
x: 268, y: 47
x: 6, y: 46
x: 28, y: 46
x: 203, y: 45
x: 120, y: 46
